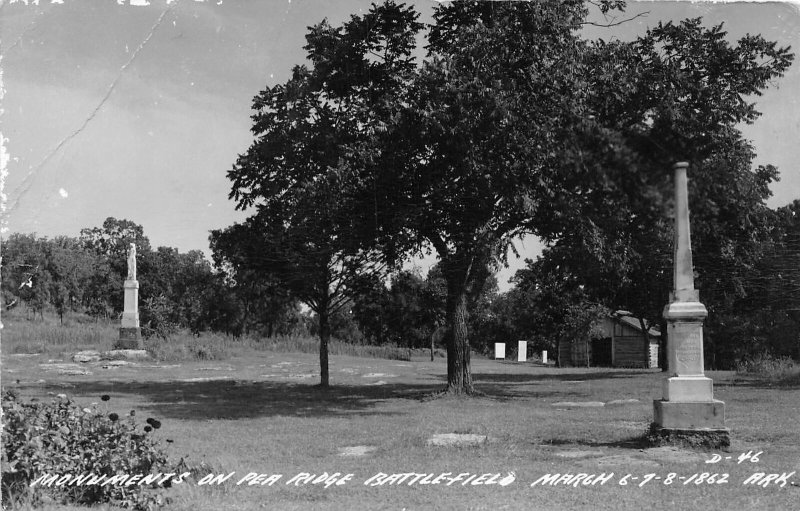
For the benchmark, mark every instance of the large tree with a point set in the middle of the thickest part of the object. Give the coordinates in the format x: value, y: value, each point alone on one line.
x: 296, y: 175
x: 514, y: 124
x: 678, y: 93
x: 477, y: 156
x: 261, y: 298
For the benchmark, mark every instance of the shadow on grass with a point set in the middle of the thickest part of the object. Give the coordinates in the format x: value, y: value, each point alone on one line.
x: 761, y: 383
x: 231, y: 399
x: 572, y: 376
x: 635, y: 442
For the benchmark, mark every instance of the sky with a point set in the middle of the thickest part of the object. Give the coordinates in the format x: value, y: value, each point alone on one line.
x: 137, y: 109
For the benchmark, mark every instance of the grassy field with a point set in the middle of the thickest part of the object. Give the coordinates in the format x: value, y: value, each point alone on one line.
x: 258, y: 411
x: 25, y: 333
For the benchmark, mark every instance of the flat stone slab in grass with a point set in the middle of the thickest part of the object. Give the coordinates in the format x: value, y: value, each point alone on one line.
x: 213, y: 378
x: 356, y: 450
x: 622, y: 401
x: 456, y: 439
x: 65, y: 368
x: 75, y: 372
x: 86, y: 356
x: 378, y: 375
x: 579, y: 453
x: 578, y: 404
x: 125, y: 355
x: 379, y: 382
x: 112, y: 364
x: 279, y: 364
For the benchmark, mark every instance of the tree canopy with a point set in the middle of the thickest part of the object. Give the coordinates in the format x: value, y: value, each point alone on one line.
x: 513, y: 124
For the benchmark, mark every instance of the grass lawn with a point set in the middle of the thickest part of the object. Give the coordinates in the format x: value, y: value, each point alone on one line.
x: 259, y: 412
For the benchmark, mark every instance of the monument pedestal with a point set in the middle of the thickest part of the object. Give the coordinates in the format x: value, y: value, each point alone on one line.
x: 130, y: 335
x: 688, y: 412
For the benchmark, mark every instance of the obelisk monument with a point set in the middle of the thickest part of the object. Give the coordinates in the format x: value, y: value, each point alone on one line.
x: 130, y: 336
x: 688, y: 411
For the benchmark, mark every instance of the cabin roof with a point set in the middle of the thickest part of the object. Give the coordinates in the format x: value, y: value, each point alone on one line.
x: 626, y: 318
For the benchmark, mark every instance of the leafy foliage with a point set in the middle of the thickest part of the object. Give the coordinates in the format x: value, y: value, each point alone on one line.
x: 305, y: 233
x: 61, y: 438
x: 155, y: 318
x: 86, y: 275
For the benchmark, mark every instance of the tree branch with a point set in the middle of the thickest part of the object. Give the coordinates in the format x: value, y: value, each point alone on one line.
x: 616, y: 23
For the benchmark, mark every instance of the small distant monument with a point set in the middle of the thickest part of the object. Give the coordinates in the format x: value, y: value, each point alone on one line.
x: 500, y: 350
x: 544, y: 356
x: 130, y: 335
x: 688, y: 411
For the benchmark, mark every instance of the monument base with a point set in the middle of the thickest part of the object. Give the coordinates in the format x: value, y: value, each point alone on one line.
x: 697, y: 424
x: 130, y: 338
x: 714, y: 439
x: 689, y: 415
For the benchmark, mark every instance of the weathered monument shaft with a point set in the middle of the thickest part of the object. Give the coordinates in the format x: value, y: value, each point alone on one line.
x: 688, y: 410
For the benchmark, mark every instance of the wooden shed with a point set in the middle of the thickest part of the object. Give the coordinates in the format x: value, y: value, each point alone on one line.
x: 619, y: 344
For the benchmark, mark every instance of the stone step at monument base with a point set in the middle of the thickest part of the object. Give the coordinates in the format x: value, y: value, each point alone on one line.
x: 698, y: 424
x: 130, y: 338
x: 689, y: 415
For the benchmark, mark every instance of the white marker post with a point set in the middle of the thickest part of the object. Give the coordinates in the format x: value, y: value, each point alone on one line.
x: 500, y: 350
x: 522, y: 351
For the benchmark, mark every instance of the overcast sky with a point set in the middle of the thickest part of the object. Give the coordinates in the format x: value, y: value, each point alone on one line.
x: 137, y: 112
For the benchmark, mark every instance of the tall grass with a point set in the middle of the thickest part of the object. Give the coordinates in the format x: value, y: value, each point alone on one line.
x: 48, y: 335
x: 308, y: 344
x: 768, y: 366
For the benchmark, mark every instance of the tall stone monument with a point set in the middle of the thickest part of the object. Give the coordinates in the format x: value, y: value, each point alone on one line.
x: 688, y: 411
x: 130, y: 336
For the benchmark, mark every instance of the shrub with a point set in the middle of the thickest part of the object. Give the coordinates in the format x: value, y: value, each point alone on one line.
x: 767, y: 365
x: 60, y: 438
x: 185, y: 346
x: 156, y: 318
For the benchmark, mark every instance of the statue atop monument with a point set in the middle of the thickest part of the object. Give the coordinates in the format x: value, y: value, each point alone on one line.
x: 132, y: 262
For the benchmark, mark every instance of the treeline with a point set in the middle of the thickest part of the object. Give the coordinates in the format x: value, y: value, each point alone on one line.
x: 86, y: 274
x: 552, y: 300
x: 177, y: 290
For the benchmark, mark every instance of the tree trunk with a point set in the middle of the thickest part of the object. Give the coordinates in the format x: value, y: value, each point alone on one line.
x: 588, y: 345
x: 324, y: 337
x: 433, y: 334
x: 646, y: 340
x: 270, y: 325
x: 459, y: 374
x: 662, y: 348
